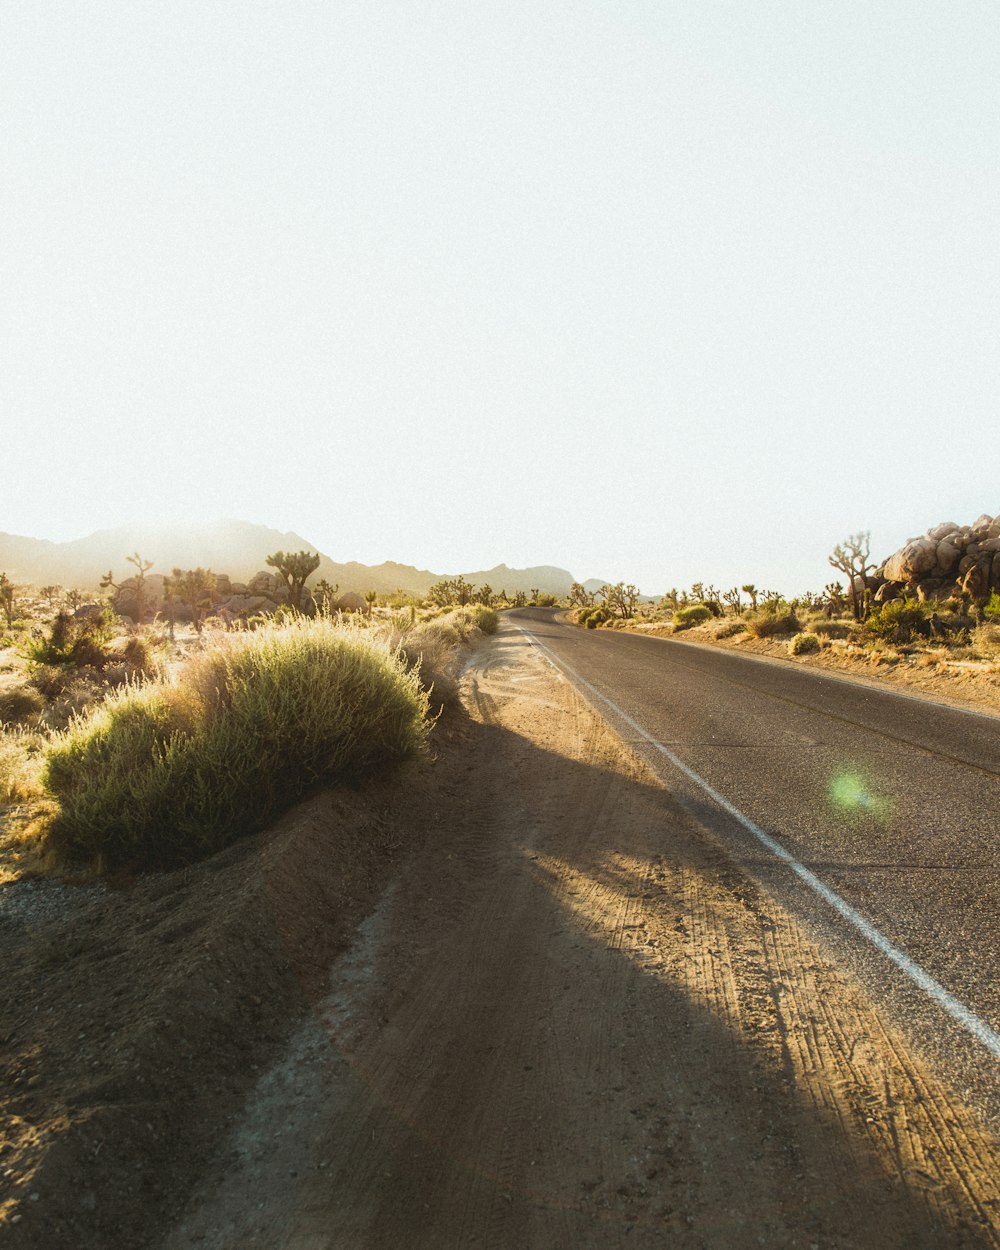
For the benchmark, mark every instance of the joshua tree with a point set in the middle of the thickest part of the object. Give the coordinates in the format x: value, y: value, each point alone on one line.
x: 7, y: 599
x: 371, y: 597
x: 485, y: 595
x: 294, y: 567
x: 732, y: 597
x: 579, y: 595
x: 142, y: 567
x: 621, y: 599
x: 326, y: 594
x: 50, y: 593
x: 851, y: 558
x: 752, y: 592
x: 670, y: 599
x: 196, y: 588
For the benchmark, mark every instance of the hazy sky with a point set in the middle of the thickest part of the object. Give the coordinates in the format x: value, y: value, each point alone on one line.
x: 655, y: 291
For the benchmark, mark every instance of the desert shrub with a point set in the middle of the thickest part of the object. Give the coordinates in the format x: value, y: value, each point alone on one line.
x: 991, y: 609
x: 19, y: 765
x: 593, y: 618
x: 430, y: 652
x: 803, y: 644
x: 80, y: 642
x: 164, y: 773
x: 19, y: 704
x: 987, y: 635
x: 899, y: 621
x: 487, y: 619
x: 831, y: 629
x: 694, y: 614
x: 729, y: 629
x: 772, y: 622
x: 545, y: 601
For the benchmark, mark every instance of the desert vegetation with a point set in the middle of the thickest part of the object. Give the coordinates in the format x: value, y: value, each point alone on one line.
x: 152, y: 737
x: 933, y: 606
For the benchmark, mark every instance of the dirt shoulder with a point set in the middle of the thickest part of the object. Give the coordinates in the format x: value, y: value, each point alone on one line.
x: 958, y: 683
x: 568, y: 1020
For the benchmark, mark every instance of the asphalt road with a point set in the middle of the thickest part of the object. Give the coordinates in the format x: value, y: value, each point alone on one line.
x: 891, y: 801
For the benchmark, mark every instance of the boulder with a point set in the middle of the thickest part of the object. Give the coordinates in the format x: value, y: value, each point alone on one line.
x: 269, y: 584
x: 88, y: 612
x: 244, y: 605
x: 948, y: 556
x: 351, y: 602
x: 976, y: 582
x: 981, y: 525
x: 928, y: 588
x: 995, y: 575
x: 942, y: 530
x: 913, y: 560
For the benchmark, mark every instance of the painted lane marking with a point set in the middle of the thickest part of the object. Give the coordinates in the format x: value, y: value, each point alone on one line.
x: 958, y: 1011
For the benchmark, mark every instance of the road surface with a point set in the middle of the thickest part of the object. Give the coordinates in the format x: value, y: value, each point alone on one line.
x: 892, y: 801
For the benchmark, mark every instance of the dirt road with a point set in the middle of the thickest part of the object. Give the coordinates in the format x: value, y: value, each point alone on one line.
x: 574, y: 1022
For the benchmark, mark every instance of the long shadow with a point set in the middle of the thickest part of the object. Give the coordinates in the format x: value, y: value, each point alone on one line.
x: 712, y: 1121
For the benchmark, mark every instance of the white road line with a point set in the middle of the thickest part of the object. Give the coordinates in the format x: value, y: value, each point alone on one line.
x: 979, y: 1029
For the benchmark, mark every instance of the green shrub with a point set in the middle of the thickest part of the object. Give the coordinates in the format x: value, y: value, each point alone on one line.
x: 899, y: 621
x: 165, y: 773
x: 991, y: 610
x: 772, y: 623
x: 80, y: 642
x: 831, y: 629
x: 803, y: 644
x: 729, y: 629
x: 694, y: 614
x: 487, y: 619
x: 593, y: 618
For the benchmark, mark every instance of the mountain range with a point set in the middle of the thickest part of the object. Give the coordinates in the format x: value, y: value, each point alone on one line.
x: 238, y: 548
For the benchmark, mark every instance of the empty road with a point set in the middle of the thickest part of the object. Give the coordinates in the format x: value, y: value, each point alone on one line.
x: 890, y: 801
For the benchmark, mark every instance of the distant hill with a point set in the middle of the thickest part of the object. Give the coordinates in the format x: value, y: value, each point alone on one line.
x: 238, y: 548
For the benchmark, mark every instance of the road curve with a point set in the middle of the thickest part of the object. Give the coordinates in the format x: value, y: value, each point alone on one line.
x: 890, y: 801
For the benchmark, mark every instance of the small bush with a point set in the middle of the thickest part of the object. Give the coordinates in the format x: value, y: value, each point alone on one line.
x: 991, y: 610
x: 803, y: 644
x: 82, y: 643
x: 19, y: 704
x: 487, y: 619
x: 772, y: 623
x: 899, y: 621
x: 831, y: 629
x: 694, y: 614
x: 593, y: 618
x: 19, y: 766
x: 987, y: 636
x: 165, y: 773
x: 729, y: 629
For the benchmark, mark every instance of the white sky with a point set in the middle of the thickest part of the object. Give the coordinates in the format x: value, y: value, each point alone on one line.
x: 655, y: 291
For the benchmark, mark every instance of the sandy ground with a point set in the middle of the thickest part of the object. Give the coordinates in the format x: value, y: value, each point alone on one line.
x: 515, y: 998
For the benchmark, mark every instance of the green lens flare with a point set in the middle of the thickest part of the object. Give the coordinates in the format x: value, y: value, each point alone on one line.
x: 850, y: 792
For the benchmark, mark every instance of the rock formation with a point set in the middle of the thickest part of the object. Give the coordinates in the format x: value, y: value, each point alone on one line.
x: 948, y: 560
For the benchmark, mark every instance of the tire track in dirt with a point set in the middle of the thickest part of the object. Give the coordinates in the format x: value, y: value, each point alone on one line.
x: 584, y: 1026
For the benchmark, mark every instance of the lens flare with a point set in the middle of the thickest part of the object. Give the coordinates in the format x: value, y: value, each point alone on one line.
x: 851, y: 793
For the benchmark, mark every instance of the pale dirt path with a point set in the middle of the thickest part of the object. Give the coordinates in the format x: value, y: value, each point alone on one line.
x: 573, y: 1023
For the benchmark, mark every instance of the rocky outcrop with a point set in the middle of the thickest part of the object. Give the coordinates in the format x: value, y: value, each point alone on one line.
x: 948, y: 560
